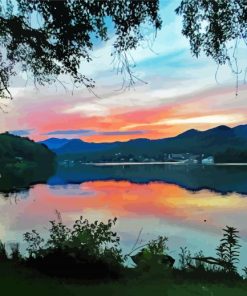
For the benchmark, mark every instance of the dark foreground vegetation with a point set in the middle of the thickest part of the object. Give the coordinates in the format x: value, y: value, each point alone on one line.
x: 87, y: 258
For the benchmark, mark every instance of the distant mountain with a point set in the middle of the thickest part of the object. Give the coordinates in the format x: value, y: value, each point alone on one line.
x: 76, y: 146
x: 189, y: 133
x: 209, y: 142
x: 54, y: 143
x: 241, y: 131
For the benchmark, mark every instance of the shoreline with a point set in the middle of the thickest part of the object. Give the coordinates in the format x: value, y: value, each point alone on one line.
x: 160, y: 163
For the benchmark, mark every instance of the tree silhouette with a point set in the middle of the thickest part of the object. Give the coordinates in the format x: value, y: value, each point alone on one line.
x: 49, y: 38
x: 215, y: 28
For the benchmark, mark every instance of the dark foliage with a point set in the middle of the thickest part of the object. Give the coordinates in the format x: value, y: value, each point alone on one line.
x: 15, y: 150
x: 153, y: 256
x: 211, y: 24
x: 23, y: 162
x: 15, y: 254
x: 224, y: 266
x: 232, y: 155
x: 86, y: 251
x: 50, y: 38
x: 228, y: 250
x: 184, y: 258
x: 3, y: 253
x: 215, y: 276
x: 91, y: 251
x: 215, y: 28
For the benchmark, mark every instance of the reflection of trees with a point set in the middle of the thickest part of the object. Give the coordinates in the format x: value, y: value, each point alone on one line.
x: 13, y: 181
x: 15, y: 196
x: 222, y: 179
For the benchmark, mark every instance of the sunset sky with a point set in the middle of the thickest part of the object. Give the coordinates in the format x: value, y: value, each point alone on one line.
x: 181, y: 92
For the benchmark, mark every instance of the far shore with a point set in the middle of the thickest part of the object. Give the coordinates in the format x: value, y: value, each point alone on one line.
x: 160, y: 162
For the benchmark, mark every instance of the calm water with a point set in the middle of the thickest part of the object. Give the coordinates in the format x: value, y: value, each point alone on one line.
x: 189, y: 204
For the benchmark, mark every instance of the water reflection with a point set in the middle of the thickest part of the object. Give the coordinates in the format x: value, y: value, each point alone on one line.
x: 140, y: 198
x: 13, y: 180
x: 158, y: 208
x: 223, y: 179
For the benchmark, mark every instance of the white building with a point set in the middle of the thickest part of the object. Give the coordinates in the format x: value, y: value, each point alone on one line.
x: 208, y: 160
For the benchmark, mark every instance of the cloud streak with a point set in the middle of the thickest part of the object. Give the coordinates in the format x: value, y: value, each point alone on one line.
x: 117, y: 133
x: 21, y: 133
x: 69, y: 132
x: 81, y: 132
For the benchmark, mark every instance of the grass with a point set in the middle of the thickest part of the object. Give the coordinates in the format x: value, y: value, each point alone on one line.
x: 16, y: 280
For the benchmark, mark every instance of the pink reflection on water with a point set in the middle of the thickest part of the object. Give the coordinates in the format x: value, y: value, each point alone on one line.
x: 188, y: 219
x: 125, y: 200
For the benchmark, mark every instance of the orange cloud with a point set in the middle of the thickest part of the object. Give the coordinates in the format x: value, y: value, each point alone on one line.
x: 202, y: 111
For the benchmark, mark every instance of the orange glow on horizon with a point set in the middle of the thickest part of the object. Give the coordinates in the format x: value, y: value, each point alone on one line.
x: 168, y: 119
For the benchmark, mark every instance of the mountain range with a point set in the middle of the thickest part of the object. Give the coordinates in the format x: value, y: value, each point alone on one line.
x: 209, y: 142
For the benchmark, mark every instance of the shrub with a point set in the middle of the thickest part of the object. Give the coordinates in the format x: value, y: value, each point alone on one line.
x: 228, y: 250
x: 88, y: 250
x: 34, y: 241
x: 153, y: 257
x: 3, y: 253
x: 185, y: 260
x: 15, y: 254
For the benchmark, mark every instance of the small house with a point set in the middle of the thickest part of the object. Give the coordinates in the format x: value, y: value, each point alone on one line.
x: 208, y: 160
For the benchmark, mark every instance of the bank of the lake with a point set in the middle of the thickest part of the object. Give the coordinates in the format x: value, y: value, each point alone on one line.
x: 16, y: 280
x: 161, y: 163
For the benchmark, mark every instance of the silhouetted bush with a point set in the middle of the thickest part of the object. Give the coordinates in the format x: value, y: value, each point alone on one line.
x: 88, y: 250
x: 15, y: 254
x: 228, y: 250
x: 185, y: 260
x: 91, y: 251
x: 221, y: 268
x: 3, y: 253
x: 153, y: 257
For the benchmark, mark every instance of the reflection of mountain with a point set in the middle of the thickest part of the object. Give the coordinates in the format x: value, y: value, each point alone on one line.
x: 223, y: 179
x: 23, y: 162
x: 209, y: 142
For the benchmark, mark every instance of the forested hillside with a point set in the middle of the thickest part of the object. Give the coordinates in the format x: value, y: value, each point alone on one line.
x: 224, y: 143
x: 21, y: 152
x: 23, y: 163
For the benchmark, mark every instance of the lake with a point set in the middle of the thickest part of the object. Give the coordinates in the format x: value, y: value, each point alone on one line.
x: 188, y: 203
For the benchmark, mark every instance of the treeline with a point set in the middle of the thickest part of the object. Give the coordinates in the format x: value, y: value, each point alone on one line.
x: 23, y: 163
x: 114, y: 157
x: 21, y: 152
x: 231, y: 156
